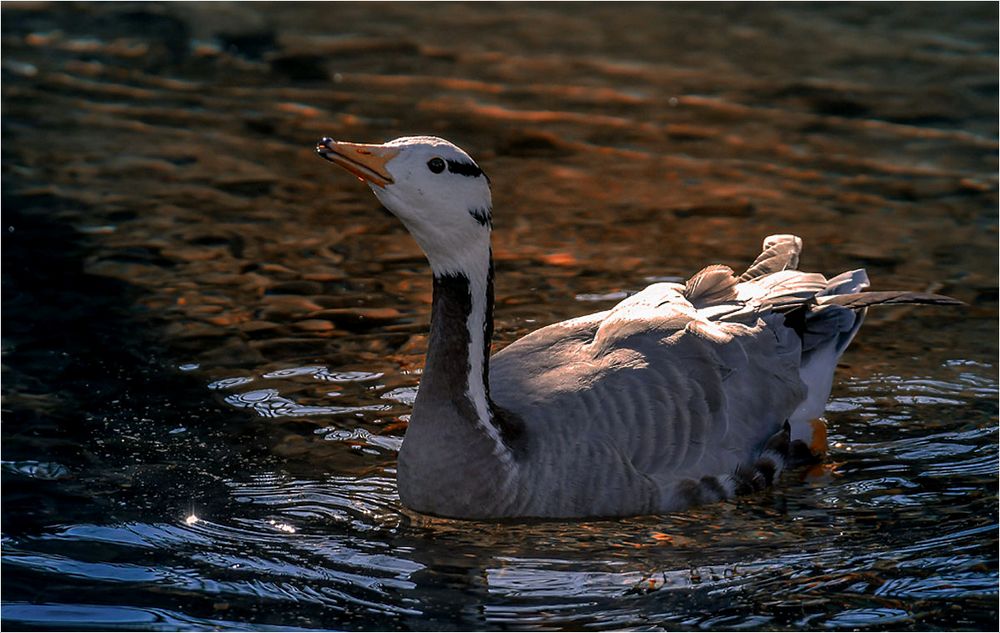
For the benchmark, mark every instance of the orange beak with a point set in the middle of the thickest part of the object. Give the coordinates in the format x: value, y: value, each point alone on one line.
x: 367, y: 162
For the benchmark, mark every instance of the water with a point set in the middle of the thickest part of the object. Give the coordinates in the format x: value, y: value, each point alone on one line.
x: 212, y: 338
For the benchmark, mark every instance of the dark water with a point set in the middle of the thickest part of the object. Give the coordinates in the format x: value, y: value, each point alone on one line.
x: 211, y: 338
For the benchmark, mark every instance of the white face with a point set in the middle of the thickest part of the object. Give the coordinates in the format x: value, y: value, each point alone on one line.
x: 441, y: 196
x: 435, y: 188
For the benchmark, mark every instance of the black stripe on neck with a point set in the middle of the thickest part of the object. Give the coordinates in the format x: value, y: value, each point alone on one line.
x: 488, y: 330
x: 510, y: 425
x: 448, y: 363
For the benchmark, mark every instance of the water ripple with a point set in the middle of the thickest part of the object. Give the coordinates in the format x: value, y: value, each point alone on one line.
x: 362, y: 436
x: 268, y: 403
x: 229, y: 383
x: 946, y: 585
x: 49, y: 471
x: 69, y: 615
x: 622, y: 153
x: 289, y: 372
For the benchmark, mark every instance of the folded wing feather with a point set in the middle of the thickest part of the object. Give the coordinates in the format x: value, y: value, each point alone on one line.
x: 687, y: 380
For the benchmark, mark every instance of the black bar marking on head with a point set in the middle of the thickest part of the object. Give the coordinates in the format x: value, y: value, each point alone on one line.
x: 464, y: 168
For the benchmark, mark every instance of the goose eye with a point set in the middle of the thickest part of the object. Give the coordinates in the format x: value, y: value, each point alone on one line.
x: 436, y: 165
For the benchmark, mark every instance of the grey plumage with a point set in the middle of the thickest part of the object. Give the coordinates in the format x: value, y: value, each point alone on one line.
x: 681, y: 394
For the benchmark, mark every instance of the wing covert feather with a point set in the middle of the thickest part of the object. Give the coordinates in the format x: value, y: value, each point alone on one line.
x: 663, y: 400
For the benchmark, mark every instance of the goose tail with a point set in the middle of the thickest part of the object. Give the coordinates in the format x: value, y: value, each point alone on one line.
x: 860, y: 300
x: 827, y: 324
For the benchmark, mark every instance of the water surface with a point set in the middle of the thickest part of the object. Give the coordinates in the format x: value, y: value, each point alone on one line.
x: 212, y: 339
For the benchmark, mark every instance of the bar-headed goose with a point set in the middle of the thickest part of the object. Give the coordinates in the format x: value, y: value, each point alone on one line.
x: 681, y: 394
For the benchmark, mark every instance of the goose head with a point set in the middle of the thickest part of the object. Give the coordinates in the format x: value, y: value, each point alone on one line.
x: 434, y: 187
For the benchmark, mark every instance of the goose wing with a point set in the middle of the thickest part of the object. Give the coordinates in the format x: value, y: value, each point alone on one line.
x: 677, y: 392
x: 680, y: 392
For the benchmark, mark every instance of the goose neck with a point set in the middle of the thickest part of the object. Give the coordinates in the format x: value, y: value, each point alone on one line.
x: 457, y: 367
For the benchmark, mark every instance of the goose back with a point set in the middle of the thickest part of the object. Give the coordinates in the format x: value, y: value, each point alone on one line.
x: 622, y: 405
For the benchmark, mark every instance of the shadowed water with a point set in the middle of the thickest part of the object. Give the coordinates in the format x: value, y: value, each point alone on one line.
x: 212, y: 339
